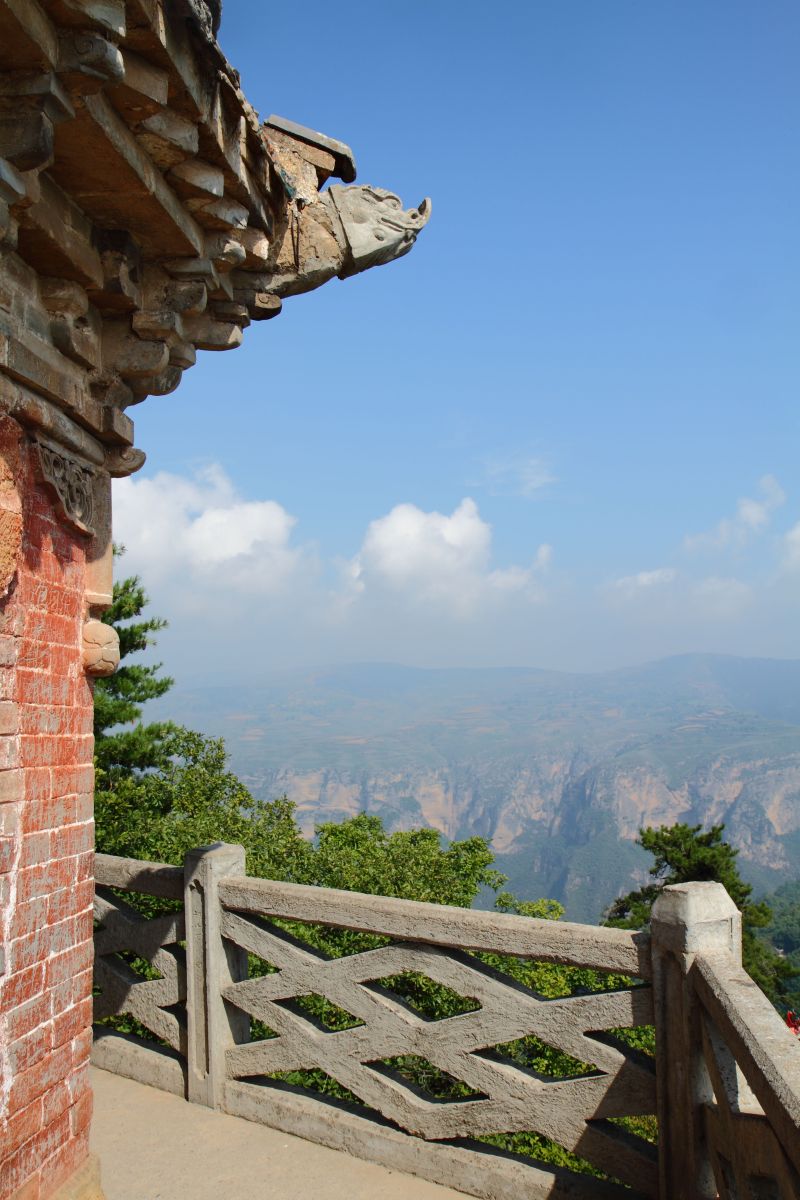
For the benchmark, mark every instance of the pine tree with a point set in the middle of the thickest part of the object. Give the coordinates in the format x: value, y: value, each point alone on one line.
x: 123, y: 744
x: 684, y: 854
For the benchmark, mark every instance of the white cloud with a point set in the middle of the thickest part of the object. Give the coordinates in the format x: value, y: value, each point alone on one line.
x: 751, y: 518
x: 513, y: 579
x: 244, y: 593
x: 669, y: 596
x: 544, y: 557
x: 411, y: 546
x: 201, y: 531
x: 429, y: 557
x: 791, y: 549
x: 520, y: 474
x: 720, y: 598
x: 644, y: 580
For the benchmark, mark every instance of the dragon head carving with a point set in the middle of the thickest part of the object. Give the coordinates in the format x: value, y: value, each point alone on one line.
x: 376, y: 227
x: 341, y: 232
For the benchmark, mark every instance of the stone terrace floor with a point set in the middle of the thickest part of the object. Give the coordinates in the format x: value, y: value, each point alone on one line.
x: 155, y: 1146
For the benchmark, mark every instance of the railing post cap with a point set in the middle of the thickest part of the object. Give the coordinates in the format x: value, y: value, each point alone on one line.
x: 222, y: 856
x: 690, y: 903
x: 688, y: 917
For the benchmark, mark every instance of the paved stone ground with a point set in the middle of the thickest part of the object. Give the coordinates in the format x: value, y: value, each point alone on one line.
x: 155, y: 1146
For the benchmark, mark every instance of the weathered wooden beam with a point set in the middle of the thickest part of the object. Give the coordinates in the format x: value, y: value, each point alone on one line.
x: 106, y: 16
x: 28, y: 38
x: 56, y: 237
x: 101, y: 165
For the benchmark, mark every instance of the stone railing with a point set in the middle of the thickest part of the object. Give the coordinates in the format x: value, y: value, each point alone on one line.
x: 205, y: 1021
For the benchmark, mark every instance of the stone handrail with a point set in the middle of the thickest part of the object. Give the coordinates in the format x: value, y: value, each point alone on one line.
x: 591, y: 946
x: 741, y: 1027
x: 728, y: 1069
x: 134, y: 875
x: 204, y: 1020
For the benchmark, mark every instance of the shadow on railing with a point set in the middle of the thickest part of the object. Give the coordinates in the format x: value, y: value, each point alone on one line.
x: 232, y: 1002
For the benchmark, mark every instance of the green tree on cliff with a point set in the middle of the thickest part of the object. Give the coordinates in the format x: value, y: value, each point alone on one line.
x: 685, y: 853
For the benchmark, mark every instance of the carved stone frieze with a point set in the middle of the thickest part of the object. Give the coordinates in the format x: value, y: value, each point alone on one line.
x: 71, y: 481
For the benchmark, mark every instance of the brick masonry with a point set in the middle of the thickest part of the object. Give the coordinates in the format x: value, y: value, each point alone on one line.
x: 46, y: 835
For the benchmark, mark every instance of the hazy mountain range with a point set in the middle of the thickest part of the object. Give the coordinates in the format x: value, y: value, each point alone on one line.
x: 558, y: 770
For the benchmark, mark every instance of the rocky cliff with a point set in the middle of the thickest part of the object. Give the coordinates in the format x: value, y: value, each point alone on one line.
x: 559, y: 771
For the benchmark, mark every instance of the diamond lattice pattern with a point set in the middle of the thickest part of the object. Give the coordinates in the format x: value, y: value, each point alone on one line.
x: 157, y: 1003
x: 574, y: 1112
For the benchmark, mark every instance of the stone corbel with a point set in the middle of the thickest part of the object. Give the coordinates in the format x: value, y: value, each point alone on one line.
x: 74, y: 327
x: 141, y: 365
x: 121, y: 266
x: 168, y: 138
x: 100, y: 648
x: 12, y: 191
x: 122, y: 461
x: 87, y: 61
x: 30, y: 106
x: 225, y: 251
x: 72, y: 483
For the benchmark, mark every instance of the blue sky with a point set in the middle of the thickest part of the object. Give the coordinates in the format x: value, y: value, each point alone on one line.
x: 564, y: 430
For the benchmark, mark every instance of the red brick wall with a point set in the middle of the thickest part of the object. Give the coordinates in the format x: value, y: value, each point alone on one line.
x: 46, y: 836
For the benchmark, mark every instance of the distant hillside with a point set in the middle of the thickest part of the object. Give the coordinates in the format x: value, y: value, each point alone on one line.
x: 559, y: 770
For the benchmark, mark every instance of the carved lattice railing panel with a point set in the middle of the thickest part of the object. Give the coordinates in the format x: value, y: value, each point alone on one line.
x: 752, y: 1112
x: 440, y: 1041
x: 140, y: 973
x: 383, y: 1056
x: 126, y: 991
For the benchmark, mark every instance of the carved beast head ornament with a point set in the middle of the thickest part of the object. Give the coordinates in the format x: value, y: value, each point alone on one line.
x: 376, y: 227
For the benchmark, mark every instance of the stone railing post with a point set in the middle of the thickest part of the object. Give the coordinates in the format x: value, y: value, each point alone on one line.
x: 688, y: 919
x: 211, y: 964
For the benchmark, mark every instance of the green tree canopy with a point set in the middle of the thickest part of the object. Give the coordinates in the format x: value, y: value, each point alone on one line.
x: 686, y: 853
x: 163, y: 790
x: 123, y: 744
x: 783, y: 931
